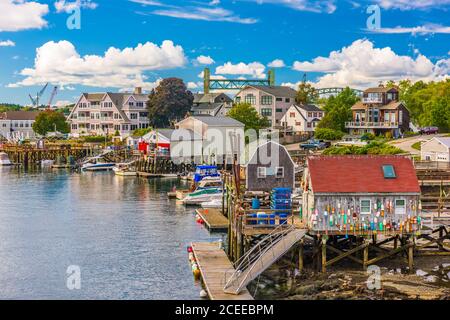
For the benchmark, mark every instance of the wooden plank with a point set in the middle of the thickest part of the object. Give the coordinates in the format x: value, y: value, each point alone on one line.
x: 213, y: 218
x: 214, y: 264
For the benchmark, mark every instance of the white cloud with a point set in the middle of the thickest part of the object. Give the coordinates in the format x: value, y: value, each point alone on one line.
x: 194, y: 85
x: 7, y: 43
x: 277, y: 63
x: 361, y: 64
x: 254, y: 69
x: 68, y: 6
x: 61, y: 64
x: 22, y: 15
x: 202, y: 13
x: 317, y: 6
x: 412, y: 4
x: 420, y: 30
x: 62, y: 103
x: 147, y: 2
x: 206, y: 60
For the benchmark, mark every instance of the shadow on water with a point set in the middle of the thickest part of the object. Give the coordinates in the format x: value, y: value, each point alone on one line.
x: 128, y: 239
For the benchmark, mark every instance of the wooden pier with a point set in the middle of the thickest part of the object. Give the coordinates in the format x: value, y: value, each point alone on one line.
x: 213, y: 218
x: 214, y: 264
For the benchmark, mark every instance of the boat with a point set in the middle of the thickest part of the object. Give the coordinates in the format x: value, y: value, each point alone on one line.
x: 215, y: 203
x: 124, y: 170
x: 204, y: 195
x: 4, y: 159
x: 97, y: 164
x: 206, y: 183
x: 47, y: 163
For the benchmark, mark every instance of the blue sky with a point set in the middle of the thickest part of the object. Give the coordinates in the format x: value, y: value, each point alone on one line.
x: 125, y: 43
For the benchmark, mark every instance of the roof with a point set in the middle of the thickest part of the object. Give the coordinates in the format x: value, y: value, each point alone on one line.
x: 361, y: 174
x: 254, y: 159
x: 277, y: 91
x: 219, y: 121
x: 94, y: 96
x: 444, y: 140
x: 19, y: 115
x: 309, y: 108
x: 165, y: 132
x: 379, y: 90
x: 207, y: 106
x: 210, y: 97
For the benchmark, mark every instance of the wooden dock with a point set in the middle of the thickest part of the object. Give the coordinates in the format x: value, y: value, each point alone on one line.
x: 213, y: 218
x: 213, y: 264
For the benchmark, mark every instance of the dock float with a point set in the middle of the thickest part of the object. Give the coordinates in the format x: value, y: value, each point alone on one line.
x: 213, y: 264
x: 213, y: 218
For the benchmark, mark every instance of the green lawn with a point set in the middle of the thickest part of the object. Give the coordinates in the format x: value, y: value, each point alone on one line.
x: 417, y: 145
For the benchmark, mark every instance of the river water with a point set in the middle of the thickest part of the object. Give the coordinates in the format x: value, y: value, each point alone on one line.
x: 127, y: 239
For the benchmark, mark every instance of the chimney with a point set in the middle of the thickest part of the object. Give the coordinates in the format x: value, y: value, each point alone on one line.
x: 138, y: 90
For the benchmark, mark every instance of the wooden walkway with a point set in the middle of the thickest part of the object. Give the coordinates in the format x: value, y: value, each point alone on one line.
x: 214, y: 219
x: 213, y: 264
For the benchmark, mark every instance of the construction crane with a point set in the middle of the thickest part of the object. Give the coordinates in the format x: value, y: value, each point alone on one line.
x: 35, y: 101
x: 52, y: 96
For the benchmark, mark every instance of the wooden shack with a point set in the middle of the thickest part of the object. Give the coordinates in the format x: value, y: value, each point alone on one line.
x: 361, y: 194
x: 270, y: 167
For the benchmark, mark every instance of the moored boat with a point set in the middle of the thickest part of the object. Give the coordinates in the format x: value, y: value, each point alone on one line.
x: 124, y: 170
x: 4, y: 159
x: 97, y: 164
x: 203, y: 195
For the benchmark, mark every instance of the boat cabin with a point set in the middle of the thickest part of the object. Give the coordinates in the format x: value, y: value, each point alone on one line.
x: 205, y: 171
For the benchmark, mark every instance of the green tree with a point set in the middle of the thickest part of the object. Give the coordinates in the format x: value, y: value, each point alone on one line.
x: 169, y: 102
x: 245, y: 113
x: 49, y: 121
x: 338, y: 110
x: 306, y: 94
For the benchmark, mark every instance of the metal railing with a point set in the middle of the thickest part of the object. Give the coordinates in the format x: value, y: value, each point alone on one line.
x: 363, y: 124
x: 246, y: 264
x: 372, y: 100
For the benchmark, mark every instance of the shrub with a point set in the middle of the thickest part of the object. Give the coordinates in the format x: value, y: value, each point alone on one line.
x: 328, y: 134
x: 374, y: 148
x: 96, y: 139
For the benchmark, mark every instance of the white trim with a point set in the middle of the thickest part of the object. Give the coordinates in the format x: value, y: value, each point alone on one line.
x: 360, y: 206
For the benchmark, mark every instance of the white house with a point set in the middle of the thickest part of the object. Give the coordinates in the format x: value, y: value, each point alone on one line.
x: 436, y: 149
x: 105, y: 113
x: 222, y: 138
x: 17, y: 124
x: 301, y: 118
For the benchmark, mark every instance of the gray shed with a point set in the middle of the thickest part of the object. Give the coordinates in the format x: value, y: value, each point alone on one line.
x: 271, y: 166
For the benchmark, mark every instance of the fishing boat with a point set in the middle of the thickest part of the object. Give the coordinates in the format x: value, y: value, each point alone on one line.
x: 206, y: 183
x: 124, y: 170
x: 204, y: 195
x: 4, y: 159
x: 97, y: 164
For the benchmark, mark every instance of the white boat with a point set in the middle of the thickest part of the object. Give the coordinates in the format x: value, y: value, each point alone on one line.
x: 203, y: 195
x: 47, y: 163
x: 97, y: 164
x: 215, y: 203
x: 4, y: 159
x: 124, y: 170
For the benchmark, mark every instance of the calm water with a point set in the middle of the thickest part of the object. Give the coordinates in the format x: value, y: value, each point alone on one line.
x: 128, y: 239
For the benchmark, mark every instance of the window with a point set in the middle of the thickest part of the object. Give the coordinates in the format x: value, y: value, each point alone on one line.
x: 288, y: 100
x: 250, y: 98
x: 74, y: 126
x: 309, y: 114
x: 320, y: 114
x: 117, y: 127
x: 262, y: 172
x: 116, y: 116
x: 238, y: 99
x: 279, y: 110
x: 140, y: 104
x: 292, y: 114
x: 133, y: 127
x: 298, y: 123
x: 389, y: 172
x: 315, y: 114
x: 308, y: 124
x: 266, y: 112
x: 279, y: 172
x: 400, y: 206
x: 133, y: 116
x: 124, y: 127
x: 280, y: 99
x: 365, y: 206
x: 266, y: 100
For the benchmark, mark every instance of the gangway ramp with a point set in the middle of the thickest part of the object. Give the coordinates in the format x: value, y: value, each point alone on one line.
x: 261, y: 257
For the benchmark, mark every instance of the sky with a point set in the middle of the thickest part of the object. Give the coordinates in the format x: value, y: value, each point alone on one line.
x: 116, y: 45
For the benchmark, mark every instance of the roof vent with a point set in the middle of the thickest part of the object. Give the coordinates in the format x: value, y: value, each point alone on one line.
x: 389, y: 171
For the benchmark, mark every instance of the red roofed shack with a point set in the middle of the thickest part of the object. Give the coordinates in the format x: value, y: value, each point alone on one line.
x: 361, y: 195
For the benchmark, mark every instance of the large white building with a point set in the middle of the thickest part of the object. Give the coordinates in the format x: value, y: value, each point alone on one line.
x: 17, y: 124
x: 107, y: 113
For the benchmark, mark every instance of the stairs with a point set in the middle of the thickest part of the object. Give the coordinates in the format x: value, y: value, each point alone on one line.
x: 261, y: 257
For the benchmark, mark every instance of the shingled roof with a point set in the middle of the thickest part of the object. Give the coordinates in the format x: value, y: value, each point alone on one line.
x: 362, y: 174
x: 277, y: 91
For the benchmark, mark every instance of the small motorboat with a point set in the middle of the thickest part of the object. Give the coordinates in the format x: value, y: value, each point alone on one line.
x: 4, y: 159
x: 97, y: 164
x: 203, y: 195
x: 124, y: 170
x: 215, y: 203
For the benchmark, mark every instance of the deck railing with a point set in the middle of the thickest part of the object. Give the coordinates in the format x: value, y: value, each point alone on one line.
x: 372, y: 125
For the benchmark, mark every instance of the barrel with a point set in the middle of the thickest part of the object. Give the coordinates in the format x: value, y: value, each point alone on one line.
x: 272, y: 219
x: 256, y: 204
x: 283, y: 218
x: 252, y: 216
x: 262, y: 216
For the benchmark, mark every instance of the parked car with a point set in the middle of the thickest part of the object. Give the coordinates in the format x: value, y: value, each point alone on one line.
x: 429, y: 130
x: 315, y: 144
